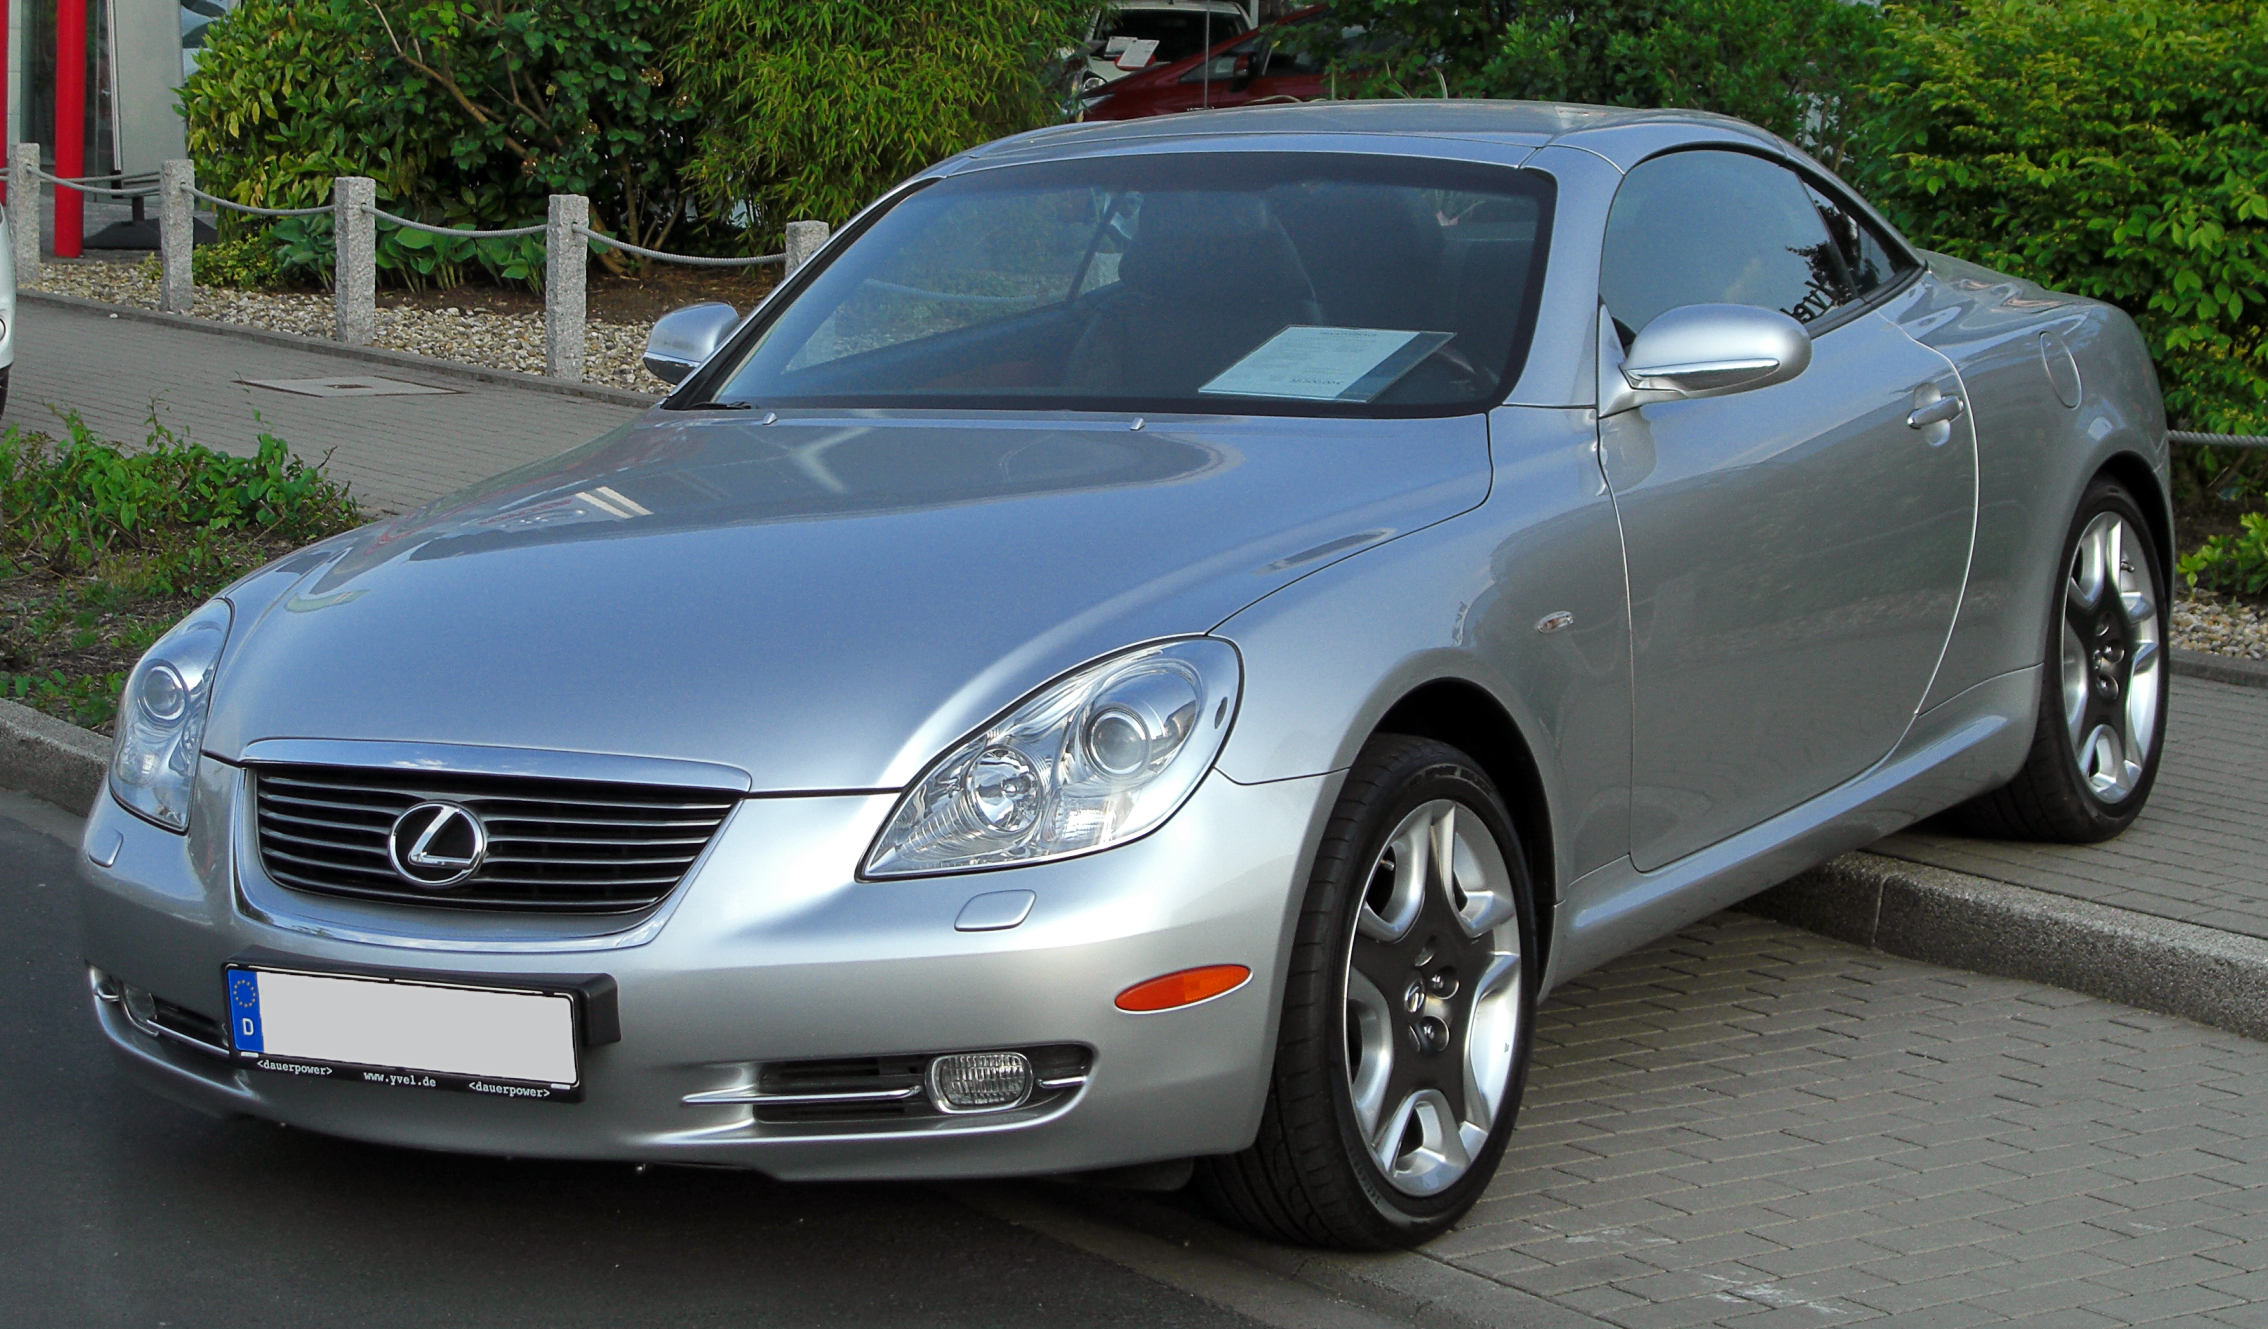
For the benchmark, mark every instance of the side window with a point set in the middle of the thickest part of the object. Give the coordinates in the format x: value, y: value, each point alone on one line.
x: 1709, y: 227
x: 1865, y: 254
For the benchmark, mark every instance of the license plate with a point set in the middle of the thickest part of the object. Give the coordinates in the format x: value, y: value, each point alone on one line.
x: 509, y: 1043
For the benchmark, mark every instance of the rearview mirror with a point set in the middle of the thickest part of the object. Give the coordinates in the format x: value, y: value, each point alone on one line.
x: 683, y: 338
x: 1711, y: 351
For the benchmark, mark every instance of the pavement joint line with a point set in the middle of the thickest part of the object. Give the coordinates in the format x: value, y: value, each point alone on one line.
x: 510, y: 378
x: 1199, y: 1267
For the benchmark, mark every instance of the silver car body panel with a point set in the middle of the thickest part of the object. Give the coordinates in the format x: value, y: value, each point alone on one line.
x: 811, y: 610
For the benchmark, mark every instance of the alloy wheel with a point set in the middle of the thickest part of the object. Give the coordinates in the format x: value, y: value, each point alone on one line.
x: 2112, y: 652
x: 1432, y: 998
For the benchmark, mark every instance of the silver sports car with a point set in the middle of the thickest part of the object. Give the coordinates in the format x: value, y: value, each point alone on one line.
x: 1153, y: 651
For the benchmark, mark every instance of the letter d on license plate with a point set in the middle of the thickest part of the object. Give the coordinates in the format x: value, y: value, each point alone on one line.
x: 393, y: 1031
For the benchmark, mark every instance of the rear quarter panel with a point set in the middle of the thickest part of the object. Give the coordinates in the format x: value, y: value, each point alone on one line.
x: 2035, y: 455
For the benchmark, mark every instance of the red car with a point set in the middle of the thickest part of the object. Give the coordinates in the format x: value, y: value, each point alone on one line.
x: 1259, y: 67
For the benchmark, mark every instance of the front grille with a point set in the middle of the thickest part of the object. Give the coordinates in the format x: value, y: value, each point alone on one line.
x: 558, y: 846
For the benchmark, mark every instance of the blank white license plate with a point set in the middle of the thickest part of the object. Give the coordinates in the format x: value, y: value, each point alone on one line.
x: 515, y: 1044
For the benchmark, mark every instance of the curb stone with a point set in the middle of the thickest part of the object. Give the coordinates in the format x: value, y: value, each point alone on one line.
x: 1988, y: 927
x: 49, y: 759
x: 422, y: 364
x: 2221, y: 668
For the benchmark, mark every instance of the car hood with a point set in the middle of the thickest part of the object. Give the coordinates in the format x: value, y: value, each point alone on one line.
x: 821, y: 602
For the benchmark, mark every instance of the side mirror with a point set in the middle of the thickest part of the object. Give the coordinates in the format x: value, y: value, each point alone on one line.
x: 1710, y: 351
x: 683, y: 338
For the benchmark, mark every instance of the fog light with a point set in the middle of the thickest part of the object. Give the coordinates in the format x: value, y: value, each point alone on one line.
x: 980, y: 1081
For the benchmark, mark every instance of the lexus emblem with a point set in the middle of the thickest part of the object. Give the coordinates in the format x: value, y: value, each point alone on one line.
x: 437, y: 845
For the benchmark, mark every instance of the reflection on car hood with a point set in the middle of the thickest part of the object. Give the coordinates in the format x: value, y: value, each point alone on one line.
x: 821, y: 602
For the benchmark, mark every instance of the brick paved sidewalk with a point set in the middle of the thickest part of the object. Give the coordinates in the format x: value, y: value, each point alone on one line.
x: 1747, y: 1124
x: 2199, y: 851
x: 396, y: 452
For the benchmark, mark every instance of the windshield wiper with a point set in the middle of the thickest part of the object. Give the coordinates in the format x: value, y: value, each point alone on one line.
x: 713, y: 405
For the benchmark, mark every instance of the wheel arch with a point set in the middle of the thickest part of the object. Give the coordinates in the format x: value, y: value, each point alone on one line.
x: 2135, y: 472
x: 1464, y: 715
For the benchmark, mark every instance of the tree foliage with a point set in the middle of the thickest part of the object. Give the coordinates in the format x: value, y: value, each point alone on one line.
x: 811, y: 108
x: 2112, y: 148
x: 1788, y: 65
x: 465, y: 111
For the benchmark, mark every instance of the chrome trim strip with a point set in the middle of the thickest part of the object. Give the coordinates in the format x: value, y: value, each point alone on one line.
x: 796, y: 1100
x: 468, y: 759
x: 1064, y: 1082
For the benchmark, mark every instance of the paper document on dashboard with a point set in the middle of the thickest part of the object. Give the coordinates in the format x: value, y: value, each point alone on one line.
x: 1326, y: 364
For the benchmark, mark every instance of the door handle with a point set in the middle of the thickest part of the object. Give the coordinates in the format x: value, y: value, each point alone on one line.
x: 1936, y: 413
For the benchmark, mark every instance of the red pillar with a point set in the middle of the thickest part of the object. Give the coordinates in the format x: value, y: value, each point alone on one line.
x: 70, y: 123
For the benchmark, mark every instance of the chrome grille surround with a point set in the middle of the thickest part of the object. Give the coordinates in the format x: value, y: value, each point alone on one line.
x: 554, y: 845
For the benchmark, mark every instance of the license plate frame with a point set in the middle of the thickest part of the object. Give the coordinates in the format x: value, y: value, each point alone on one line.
x: 578, y: 1009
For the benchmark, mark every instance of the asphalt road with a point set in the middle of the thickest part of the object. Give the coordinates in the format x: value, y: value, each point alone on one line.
x: 119, y: 1208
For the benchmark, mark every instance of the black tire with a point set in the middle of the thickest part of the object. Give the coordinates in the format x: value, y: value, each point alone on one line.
x: 1309, y: 1179
x: 2050, y: 799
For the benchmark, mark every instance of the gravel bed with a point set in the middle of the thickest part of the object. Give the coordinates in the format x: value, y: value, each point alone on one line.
x: 611, y: 352
x: 2204, y: 621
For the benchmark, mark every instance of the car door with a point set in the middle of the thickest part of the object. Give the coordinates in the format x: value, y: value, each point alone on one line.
x: 1796, y: 553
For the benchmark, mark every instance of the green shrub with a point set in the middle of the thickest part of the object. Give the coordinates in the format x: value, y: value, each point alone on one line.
x: 1785, y: 64
x: 247, y: 263
x: 466, y: 113
x: 2112, y: 148
x: 2237, y: 563
x: 811, y: 108
x: 102, y: 548
x: 175, y: 508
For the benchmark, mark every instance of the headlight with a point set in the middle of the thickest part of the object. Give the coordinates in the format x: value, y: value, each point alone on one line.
x: 1099, y: 757
x: 161, y: 718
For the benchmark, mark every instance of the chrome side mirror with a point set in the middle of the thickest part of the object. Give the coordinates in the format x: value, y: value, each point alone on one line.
x: 1707, y: 351
x: 683, y: 338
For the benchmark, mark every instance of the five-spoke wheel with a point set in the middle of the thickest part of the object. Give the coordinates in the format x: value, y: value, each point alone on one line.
x: 1432, y: 1008
x: 2102, y: 711
x: 1406, y: 1012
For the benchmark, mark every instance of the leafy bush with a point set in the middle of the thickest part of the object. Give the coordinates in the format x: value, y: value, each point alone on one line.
x: 2112, y: 148
x: 2232, y: 562
x: 1785, y: 64
x: 303, y: 250
x: 466, y: 112
x: 102, y: 548
x: 811, y: 108
x: 176, y: 505
x: 248, y: 263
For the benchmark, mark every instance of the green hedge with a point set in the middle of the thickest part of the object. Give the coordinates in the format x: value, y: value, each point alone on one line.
x: 2111, y: 148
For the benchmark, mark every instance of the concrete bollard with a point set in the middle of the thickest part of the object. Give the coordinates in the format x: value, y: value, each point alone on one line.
x: 803, y: 240
x: 566, y: 268
x: 354, y: 274
x: 23, y: 212
x: 177, y: 236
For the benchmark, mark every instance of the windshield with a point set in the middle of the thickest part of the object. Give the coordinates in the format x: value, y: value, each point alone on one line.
x: 1273, y: 283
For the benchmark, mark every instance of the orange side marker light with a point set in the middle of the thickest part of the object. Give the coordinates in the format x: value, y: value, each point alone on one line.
x: 1186, y: 988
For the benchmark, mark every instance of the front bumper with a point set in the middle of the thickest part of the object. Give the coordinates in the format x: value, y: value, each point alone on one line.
x: 770, y: 951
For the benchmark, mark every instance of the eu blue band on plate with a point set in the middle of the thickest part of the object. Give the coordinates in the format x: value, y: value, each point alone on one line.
x: 244, y: 1010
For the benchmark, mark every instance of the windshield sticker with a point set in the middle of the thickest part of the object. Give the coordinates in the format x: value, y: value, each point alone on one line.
x: 1326, y: 364
x: 1137, y: 53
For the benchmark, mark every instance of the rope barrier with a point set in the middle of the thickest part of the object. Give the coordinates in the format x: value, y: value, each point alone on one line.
x: 233, y: 205
x: 2217, y: 440
x: 694, y: 260
x: 88, y: 187
x: 513, y: 233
